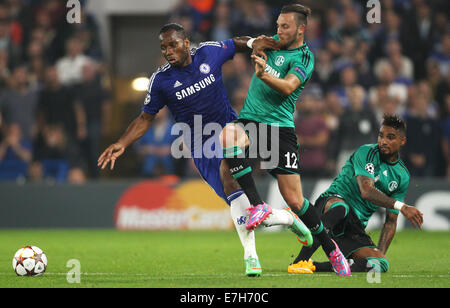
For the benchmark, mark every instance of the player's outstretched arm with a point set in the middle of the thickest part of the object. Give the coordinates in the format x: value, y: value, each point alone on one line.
x: 135, y: 131
x: 371, y: 193
x: 259, y: 44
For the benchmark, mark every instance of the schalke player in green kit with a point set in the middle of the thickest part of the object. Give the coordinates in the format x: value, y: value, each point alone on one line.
x: 374, y: 176
x: 267, y: 117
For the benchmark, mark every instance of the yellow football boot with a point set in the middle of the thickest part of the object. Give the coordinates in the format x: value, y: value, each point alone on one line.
x: 302, y: 267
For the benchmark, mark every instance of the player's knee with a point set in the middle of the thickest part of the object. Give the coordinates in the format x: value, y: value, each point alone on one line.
x: 232, y: 135
x: 380, y: 265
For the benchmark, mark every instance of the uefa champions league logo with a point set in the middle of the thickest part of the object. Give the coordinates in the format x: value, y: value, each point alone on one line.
x: 370, y: 168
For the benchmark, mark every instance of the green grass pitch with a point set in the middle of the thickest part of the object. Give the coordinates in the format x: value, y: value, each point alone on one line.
x: 209, y: 259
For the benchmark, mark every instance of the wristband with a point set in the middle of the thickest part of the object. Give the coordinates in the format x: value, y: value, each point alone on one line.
x: 250, y: 43
x: 398, y: 205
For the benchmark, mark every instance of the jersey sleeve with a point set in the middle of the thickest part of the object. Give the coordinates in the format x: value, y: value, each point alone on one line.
x: 363, y: 162
x: 303, y: 67
x: 154, y: 100
x: 223, y: 50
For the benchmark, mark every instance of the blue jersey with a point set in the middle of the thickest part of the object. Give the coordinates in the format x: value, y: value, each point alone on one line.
x: 192, y: 91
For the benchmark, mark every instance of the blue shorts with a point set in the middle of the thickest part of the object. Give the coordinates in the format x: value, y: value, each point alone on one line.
x: 209, y: 169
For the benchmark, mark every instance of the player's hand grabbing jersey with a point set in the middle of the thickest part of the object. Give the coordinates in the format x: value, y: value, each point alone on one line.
x: 265, y: 105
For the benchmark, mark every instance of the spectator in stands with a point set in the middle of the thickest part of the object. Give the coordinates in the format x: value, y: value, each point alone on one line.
x: 362, y: 66
x: 424, y: 88
x: 94, y: 99
x: 422, y: 34
x: 313, y: 136
x: 357, y: 125
x: 9, y: 42
x: 234, y: 72
x: 57, y: 105
x: 386, y: 105
x: 422, y: 151
x: 446, y: 138
x: 221, y: 28
x: 324, y: 69
x: 18, y: 103
x: 442, y: 88
x: 348, y: 79
x: 4, y: 69
x: 352, y: 25
x: 54, y: 156
x: 87, y: 32
x: 154, y: 147
x: 313, y: 33
x: 391, y: 29
x: 401, y: 64
x: 387, y: 79
x: 441, y: 55
x: 70, y: 67
x: 15, y: 154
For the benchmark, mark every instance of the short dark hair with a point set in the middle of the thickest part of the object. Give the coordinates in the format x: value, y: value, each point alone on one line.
x: 176, y: 27
x: 302, y: 12
x: 395, y: 122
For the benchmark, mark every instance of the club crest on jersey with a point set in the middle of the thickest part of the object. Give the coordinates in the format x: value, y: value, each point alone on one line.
x: 204, y: 68
x: 370, y: 168
x: 392, y: 186
x: 147, y: 99
x: 279, y: 60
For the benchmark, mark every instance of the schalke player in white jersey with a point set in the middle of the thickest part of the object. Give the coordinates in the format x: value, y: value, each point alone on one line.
x: 190, y: 85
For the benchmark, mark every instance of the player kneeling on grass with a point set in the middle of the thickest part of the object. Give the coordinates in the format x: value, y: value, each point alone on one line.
x: 374, y: 176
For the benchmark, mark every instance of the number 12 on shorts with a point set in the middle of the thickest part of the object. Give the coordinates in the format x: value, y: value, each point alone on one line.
x: 291, y: 156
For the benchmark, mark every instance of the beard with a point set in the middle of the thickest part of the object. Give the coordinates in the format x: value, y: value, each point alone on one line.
x: 289, y: 42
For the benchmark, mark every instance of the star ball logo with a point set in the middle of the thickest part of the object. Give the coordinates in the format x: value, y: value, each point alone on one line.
x: 74, y: 14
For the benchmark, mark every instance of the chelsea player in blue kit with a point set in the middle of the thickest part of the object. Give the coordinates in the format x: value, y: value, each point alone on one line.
x: 190, y: 85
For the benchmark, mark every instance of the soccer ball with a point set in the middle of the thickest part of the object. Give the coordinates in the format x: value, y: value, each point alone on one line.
x: 29, y: 261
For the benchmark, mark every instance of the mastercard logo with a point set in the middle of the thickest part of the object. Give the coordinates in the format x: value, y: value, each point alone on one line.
x: 152, y: 205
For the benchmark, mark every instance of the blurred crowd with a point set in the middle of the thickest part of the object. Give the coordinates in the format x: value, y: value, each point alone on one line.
x: 54, y: 109
x: 362, y: 71
x: 53, y: 106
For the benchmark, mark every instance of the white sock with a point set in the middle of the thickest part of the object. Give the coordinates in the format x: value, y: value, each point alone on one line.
x: 278, y: 217
x: 239, y: 215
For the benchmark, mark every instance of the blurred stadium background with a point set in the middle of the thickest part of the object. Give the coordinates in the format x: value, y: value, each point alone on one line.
x: 67, y: 90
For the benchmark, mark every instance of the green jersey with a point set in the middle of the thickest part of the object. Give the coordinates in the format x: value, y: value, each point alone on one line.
x: 391, y: 178
x: 263, y: 104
